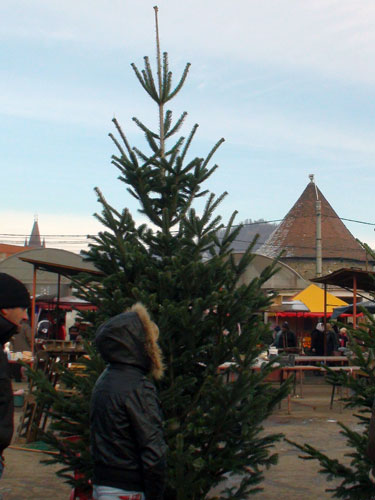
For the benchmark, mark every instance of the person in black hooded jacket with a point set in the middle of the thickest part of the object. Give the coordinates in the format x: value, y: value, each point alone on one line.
x: 127, y: 443
x: 14, y: 301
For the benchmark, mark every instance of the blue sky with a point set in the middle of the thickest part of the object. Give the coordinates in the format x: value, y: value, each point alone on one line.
x: 289, y: 85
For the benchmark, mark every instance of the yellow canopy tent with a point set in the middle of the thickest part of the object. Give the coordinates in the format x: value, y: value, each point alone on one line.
x: 313, y: 298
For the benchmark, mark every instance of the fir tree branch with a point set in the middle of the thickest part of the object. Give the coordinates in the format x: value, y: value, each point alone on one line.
x: 178, y: 125
x: 213, y: 151
x: 143, y: 82
x: 133, y: 193
x: 144, y: 128
x: 149, y: 78
x: 118, y: 145
x: 123, y: 137
x: 167, y: 122
x: 167, y: 78
x: 180, y: 83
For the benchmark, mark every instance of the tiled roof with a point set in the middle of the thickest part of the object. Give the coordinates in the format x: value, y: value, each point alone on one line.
x: 297, y: 232
x: 11, y: 249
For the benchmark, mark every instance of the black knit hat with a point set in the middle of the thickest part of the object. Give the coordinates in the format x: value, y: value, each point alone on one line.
x: 13, y: 293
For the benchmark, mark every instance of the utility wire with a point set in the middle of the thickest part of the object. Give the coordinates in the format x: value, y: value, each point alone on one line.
x: 235, y: 225
x: 14, y: 238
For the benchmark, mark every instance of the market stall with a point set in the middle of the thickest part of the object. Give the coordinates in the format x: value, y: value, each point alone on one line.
x: 350, y: 279
x: 305, y: 310
x: 59, y: 270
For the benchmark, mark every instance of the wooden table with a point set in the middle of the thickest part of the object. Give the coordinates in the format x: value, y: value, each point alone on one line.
x: 294, y: 370
x: 343, y: 360
x: 298, y: 370
x: 287, y: 371
x: 28, y: 361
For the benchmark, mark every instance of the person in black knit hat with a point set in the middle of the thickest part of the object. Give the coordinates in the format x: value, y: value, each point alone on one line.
x: 14, y: 301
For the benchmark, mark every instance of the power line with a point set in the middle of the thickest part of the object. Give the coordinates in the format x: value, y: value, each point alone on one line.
x: 14, y: 238
x: 47, y: 235
x: 17, y: 235
x: 270, y: 245
x: 358, y: 221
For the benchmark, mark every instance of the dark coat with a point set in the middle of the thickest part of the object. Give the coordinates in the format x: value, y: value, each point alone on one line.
x: 332, y: 342
x: 7, y: 329
x: 127, y: 441
x: 286, y: 340
x: 317, y: 342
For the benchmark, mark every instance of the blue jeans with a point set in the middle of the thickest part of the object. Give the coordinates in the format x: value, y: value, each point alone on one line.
x: 109, y: 493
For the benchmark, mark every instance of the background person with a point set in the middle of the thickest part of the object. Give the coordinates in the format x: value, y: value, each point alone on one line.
x: 20, y: 343
x: 343, y: 336
x: 276, y: 334
x: 287, y: 339
x: 332, y: 340
x: 127, y: 443
x: 74, y: 330
x: 14, y: 301
x: 317, y: 340
x: 44, y: 329
x: 22, y: 340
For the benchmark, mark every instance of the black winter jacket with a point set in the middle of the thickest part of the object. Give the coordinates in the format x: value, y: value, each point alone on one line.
x: 127, y: 441
x: 7, y: 330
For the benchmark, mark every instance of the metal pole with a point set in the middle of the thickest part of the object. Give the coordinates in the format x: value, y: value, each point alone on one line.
x: 318, y: 208
x: 58, y: 306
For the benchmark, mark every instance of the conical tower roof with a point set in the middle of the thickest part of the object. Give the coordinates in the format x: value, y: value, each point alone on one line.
x: 296, y: 235
x: 34, y: 240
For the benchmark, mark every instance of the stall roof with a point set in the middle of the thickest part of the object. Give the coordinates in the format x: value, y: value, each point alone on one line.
x: 344, y: 278
x: 348, y: 310
x: 68, y: 303
x: 313, y: 297
x: 63, y: 269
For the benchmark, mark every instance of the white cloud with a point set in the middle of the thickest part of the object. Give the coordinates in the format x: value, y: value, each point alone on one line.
x: 272, y: 130
x: 54, y: 102
x: 332, y: 37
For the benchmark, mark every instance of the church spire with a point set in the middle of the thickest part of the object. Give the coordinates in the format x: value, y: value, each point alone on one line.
x: 34, y: 240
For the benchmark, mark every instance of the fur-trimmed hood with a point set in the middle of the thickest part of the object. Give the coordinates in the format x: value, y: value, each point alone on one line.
x: 131, y: 338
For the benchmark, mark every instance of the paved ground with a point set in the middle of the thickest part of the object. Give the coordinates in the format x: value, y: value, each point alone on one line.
x: 293, y: 478
x: 25, y: 478
x: 300, y: 479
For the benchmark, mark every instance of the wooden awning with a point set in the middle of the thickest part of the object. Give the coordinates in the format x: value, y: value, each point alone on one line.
x: 344, y: 278
x: 352, y: 279
x: 63, y: 269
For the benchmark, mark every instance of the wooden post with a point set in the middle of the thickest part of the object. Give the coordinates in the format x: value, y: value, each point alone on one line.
x: 354, y: 301
x: 33, y: 312
x: 325, y: 319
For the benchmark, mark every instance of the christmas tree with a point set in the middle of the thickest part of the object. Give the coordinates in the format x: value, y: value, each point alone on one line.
x: 189, y: 281
x: 355, y: 477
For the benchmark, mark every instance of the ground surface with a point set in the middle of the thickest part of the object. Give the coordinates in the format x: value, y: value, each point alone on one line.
x: 293, y: 478
x: 25, y: 478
